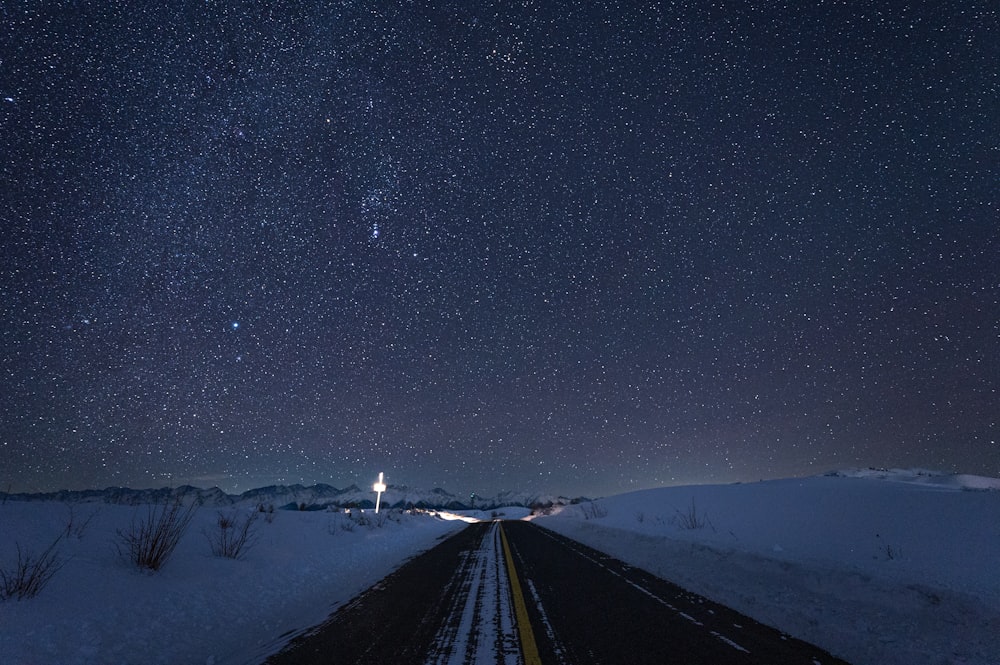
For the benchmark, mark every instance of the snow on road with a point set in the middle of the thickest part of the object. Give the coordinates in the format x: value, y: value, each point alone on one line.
x: 480, y: 627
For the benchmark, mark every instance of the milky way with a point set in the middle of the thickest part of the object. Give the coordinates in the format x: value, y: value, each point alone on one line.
x: 577, y: 247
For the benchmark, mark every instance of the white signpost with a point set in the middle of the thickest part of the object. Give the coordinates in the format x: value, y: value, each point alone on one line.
x: 378, y: 488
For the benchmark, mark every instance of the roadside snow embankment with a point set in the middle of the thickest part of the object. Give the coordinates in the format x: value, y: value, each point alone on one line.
x: 889, y: 569
x: 198, y: 608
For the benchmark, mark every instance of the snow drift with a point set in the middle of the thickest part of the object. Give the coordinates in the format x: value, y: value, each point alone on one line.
x: 876, y: 566
x: 198, y: 608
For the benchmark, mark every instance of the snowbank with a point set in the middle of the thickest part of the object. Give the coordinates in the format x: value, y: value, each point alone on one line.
x: 878, y: 568
x: 198, y: 608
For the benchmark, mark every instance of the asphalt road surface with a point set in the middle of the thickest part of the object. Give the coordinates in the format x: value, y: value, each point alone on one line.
x: 514, y: 593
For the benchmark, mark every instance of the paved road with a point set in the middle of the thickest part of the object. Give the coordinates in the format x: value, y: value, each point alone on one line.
x: 515, y: 593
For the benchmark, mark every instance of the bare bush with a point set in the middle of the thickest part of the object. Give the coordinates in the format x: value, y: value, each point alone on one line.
x: 75, y: 526
x: 149, y: 542
x: 268, y: 512
x: 361, y: 518
x: 31, y: 572
x: 234, y: 535
x: 888, y: 550
x: 690, y: 519
x: 384, y: 516
x: 593, y: 510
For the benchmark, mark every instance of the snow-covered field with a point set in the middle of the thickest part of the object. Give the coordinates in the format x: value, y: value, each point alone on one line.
x: 877, y: 567
x: 198, y: 608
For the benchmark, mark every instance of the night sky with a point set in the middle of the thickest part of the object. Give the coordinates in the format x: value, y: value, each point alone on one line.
x: 570, y: 247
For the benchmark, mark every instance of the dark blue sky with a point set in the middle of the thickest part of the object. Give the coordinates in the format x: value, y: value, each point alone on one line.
x: 579, y: 247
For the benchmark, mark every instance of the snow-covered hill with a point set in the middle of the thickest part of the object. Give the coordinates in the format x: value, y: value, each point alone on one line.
x: 878, y: 566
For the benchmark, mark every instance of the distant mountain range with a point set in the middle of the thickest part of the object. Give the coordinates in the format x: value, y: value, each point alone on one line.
x: 298, y: 497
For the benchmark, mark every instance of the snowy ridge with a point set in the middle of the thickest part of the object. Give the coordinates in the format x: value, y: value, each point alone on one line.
x: 961, y: 481
x: 129, y: 497
x: 317, y: 496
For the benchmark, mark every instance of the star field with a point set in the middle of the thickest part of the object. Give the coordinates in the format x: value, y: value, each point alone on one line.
x: 575, y: 247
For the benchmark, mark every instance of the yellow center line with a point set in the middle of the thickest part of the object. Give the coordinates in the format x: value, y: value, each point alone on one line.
x: 528, y: 647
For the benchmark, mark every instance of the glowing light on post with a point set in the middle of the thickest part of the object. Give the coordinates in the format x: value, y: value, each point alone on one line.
x: 378, y: 488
